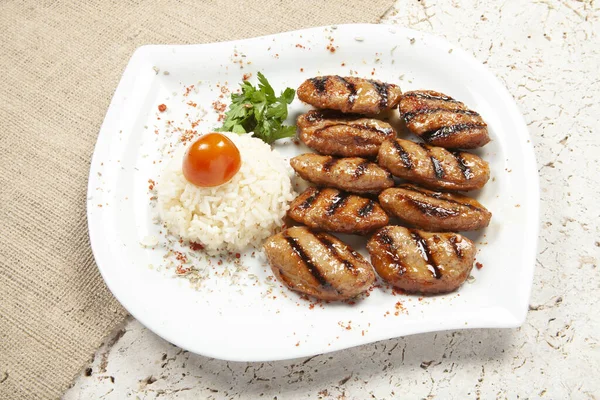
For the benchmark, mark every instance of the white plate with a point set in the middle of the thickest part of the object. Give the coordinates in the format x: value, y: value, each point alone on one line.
x: 236, y: 322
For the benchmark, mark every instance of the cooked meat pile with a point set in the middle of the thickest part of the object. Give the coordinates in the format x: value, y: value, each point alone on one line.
x: 343, y: 135
x: 434, y: 167
x: 442, y: 121
x: 352, y: 174
x: 349, y: 94
x: 419, y: 261
x: 425, y: 256
x: 318, y: 264
x: 332, y: 210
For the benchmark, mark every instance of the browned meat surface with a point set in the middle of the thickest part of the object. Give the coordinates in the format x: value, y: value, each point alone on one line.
x: 318, y: 264
x: 336, y: 211
x: 442, y: 121
x: 434, y: 211
x: 419, y: 261
x: 349, y: 94
x: 434, y: 167
x: 351, y: 174
x: 343, y: 135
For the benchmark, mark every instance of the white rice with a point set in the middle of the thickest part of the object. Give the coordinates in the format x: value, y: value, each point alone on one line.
x: 228, y: 218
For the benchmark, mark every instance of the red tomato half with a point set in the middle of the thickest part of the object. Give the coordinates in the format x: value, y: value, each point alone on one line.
x: 211, y: 160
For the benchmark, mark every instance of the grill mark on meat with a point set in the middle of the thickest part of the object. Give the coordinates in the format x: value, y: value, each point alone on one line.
x: 330, y: 163
x: 431, y: 97
x: 361, y: 168
x: 438, y: 170
x: 351, y: 88
x: 386, y: 240
x: 377, y: 128
x: 382, y: 89
x: 426, y: 253
x: 464, y: 168
x: 448, y: 131
x: 338, y: 201
x: 310, y: 200
x: 366, y: 209
x: 408, y: 116
x: 438, y: 196
x: 437, y: 167
x: 431, y: 210
x: 329, y: 244
x: 310, y: 266
x: 319, y: 83
x: 314, y: 116
x: 404, y: 156
x: 455, y: 247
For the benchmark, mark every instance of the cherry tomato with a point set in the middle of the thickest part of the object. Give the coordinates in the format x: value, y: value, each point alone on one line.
x: 211, y: 160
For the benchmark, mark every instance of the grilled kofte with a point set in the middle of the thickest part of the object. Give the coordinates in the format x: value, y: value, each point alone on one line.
x: 442, y: 121
x: 334, y: 133
x: 434, y: 211
x: 336, y: 211
x: 352, y: 174
x: 418, y: 261
x: 349, y: 94
x: 434, y: 167
x: 318, y: 264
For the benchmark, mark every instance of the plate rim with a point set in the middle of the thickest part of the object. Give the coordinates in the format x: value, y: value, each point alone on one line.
x: 512, y: 320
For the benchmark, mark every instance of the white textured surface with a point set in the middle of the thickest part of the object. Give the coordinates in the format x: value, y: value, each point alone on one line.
x: 547, y: 54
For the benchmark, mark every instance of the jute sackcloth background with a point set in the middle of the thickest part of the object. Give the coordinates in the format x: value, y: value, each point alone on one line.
x: 60, y: 63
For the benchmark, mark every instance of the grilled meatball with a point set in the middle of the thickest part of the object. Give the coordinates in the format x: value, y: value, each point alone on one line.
x: 434, y: 167
x: 333, y: 210
x: 353, y: 174
x: 442, y: 121
x: 343, y: 135
x: 349, y: 94
x: 419, y: 261
x: 434, y: 211
x: 318, y: 264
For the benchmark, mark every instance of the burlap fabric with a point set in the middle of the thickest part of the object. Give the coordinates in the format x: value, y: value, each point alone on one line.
x: 60, y: 63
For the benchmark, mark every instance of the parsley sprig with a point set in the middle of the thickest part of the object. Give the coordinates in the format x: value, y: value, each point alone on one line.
x: 258, y: 110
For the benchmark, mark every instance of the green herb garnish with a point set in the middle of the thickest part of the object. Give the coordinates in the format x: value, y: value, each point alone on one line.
x: 259, y: 111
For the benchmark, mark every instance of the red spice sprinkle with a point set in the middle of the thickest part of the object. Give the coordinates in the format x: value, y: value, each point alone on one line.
x: 179, y: 256
x: 218, y: 106
x: 187, y: 136
x: 479, y: 265
x: 247, y: 76
x: 162, y: 108
x: 191, y: 104
x: 181, y: 271
x: 301, y: 69
x: 188, y: 90
x: 237, y: 255
x: 310, y: 307
x: 151, y: 184
x: 196, y: 246
x: 297, y: 344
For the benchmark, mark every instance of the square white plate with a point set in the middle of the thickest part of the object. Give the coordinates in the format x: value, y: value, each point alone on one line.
x: 239, y: 321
